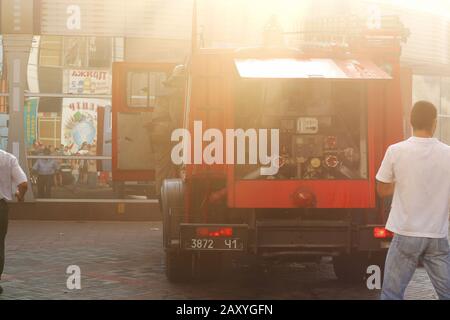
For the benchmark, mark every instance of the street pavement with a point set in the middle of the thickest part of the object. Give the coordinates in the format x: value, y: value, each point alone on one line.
x: 125, y: 260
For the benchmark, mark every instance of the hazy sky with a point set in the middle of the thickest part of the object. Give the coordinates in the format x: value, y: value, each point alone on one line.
x: 290, y: 10
x: 292, y: 7
x: 232, y: 19
x: 439, y: 7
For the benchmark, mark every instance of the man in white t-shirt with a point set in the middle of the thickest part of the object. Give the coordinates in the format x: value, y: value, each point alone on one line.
x: 417, y: 173
x: 11, y: 177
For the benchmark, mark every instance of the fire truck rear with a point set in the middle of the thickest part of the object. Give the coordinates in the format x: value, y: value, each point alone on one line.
x: 336, y: 105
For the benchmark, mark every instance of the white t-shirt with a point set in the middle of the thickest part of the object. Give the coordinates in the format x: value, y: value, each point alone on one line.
x: 11, y: 175
x: 420, y: 169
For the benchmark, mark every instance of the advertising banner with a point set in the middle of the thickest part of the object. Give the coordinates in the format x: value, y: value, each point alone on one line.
x: 79, y: 122
x: 30, y: 112
x: 87, y: 81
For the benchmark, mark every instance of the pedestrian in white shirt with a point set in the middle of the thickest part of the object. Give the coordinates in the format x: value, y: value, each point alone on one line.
x: 417, y: 173
x: 11, y: 177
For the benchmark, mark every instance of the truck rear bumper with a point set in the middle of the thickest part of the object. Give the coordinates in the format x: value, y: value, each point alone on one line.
x: 318, y: 236
x: 272, y: 237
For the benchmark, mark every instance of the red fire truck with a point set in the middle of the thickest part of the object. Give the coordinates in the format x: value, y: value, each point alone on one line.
x: 336, y: 103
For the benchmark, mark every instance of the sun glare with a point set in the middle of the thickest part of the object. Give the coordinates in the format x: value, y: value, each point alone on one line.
x: 437, y: 7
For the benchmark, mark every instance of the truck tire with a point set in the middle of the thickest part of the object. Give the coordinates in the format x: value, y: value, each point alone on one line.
x: 178, y: 266
x: 172, y: 196
x: 351, y: 268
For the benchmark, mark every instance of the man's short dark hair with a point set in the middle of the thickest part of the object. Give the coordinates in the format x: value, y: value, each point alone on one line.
x: 423, y: 115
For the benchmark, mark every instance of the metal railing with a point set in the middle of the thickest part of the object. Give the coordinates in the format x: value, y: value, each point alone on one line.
x: 67, y: 95
x: 75, y: 157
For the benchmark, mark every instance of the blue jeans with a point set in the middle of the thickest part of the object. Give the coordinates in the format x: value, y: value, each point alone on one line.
x: 403, y: 257
x: 3, y: 231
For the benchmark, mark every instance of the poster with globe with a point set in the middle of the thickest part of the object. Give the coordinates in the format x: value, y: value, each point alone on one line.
x: 79, y: 122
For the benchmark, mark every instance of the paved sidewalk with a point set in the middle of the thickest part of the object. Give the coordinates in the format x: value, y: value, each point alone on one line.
x: 123, y: 260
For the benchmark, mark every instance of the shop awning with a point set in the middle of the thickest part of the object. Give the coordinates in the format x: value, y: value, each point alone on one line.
x: 309, y: 69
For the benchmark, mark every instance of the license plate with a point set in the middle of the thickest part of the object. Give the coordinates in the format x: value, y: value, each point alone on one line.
x: 213, y: 244
x: 190, y: 240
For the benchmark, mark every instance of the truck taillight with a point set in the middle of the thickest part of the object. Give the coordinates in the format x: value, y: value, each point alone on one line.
x: 382, y: 233
x: 214, y: 232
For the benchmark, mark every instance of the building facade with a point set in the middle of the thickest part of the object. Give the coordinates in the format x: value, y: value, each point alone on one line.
x: 74, y: 43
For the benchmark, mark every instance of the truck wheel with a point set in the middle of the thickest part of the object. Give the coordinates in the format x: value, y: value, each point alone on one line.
x: 178, y: 266
x: 207, y: 266
x: 172, y: 196
x: 351, y: 268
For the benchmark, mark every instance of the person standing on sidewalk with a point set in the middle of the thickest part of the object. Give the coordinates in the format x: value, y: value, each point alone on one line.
x: 46, y: 169
x: 417, y: 173
x: 11, y: 177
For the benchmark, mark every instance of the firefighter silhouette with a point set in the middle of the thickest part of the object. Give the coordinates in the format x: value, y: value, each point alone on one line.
x: 167, y: 116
